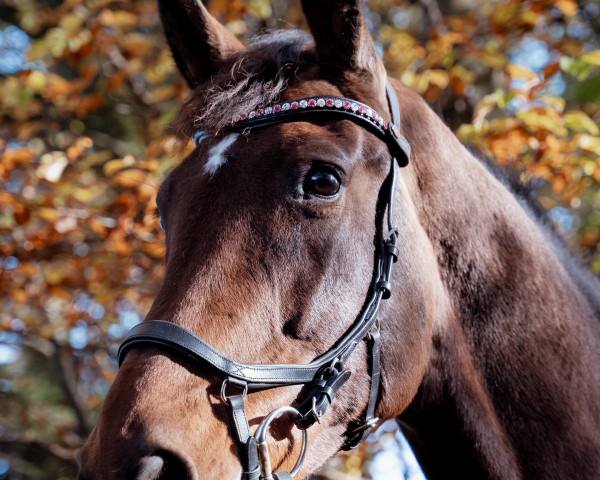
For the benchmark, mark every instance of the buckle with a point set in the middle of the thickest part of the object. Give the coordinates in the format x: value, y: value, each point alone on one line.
x: 368, y: 424
x: 325, y: 390
x: 314, y: 411
x: 360, y: 433
x: 234, y: 381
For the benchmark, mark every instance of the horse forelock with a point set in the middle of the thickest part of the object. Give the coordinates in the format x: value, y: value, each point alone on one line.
x: 249, y: 79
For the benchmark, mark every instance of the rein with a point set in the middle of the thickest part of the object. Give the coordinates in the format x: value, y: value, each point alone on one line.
x: 326, y: 373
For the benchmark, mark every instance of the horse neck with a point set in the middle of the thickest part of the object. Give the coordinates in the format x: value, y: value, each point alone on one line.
x: 512, y: 387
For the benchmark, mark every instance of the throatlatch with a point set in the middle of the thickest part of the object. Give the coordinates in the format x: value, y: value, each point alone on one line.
x: 326, y: 374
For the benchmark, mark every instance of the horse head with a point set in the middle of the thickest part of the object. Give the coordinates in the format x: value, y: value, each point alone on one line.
x: 274, y: 235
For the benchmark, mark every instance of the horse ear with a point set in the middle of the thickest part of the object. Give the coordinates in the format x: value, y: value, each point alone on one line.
x: 341, y: 36
x: 198, y: 41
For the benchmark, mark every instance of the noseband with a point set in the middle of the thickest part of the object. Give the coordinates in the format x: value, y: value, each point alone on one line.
x: 326, y: 373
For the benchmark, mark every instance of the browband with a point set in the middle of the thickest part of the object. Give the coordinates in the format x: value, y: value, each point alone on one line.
x: 324, y: 109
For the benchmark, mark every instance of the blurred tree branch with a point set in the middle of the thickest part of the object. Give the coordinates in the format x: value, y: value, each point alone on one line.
x: 434, y: 13
x: 67, y: 378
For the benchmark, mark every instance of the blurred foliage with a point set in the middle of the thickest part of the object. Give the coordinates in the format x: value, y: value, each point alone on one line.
x: 87, y: 91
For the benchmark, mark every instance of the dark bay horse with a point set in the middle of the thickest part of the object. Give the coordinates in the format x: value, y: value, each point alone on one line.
x: 489, y: 345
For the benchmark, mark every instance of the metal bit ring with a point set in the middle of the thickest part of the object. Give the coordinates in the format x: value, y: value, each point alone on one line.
x: 263, y: 448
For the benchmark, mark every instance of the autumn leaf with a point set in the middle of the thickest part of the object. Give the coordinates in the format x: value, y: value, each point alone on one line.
x: 517, y: 71
x: 567, y: 7
x: 579, y: 121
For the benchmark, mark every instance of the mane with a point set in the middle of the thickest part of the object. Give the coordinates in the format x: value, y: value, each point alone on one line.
x: 587, y: 283
x: 250, y: 79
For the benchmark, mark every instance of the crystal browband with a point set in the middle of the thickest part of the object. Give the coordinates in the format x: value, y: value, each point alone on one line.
x: 322, y: 108
x: 316, y: 103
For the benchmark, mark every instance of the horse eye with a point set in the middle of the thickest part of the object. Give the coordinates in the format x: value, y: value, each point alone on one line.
x: 325, y: 183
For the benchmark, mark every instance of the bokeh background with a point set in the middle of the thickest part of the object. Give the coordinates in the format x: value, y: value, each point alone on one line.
x: 87, y: 91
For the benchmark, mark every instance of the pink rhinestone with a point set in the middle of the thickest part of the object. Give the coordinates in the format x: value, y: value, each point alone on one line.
x: 347, y: 105
x: 243, y: 116
x: 312, y: 102
x: 361, y: 110
x: 329, y: 102
x: 260, y: 112
x: 277, y: 108
x: 375, y: 117
x: 294, y: 105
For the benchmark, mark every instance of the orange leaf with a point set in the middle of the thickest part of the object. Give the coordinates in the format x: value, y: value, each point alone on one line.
x: 551, y: 69
x: 18, y: 155
x: 567, y: 7
x: 88, y: 105
x: 509, y: 145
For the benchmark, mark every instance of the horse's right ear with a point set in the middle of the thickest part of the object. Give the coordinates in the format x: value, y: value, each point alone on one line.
x: 198, y: 41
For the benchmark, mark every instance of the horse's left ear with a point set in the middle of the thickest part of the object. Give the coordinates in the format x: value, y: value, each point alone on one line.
x: 198, y: 41
x: 342, y: 39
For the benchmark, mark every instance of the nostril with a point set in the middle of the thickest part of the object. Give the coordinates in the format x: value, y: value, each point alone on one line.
x: 164, y: 465
x: 150, y: 468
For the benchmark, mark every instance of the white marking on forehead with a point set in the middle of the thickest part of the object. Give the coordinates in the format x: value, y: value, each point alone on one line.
x: 216, y: 156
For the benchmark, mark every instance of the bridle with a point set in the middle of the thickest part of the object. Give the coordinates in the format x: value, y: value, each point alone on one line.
x: 326, y: 373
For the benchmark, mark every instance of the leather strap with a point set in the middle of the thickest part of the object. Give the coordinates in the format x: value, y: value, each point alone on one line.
x: 249, y: 460
x: 356, y: 436
x: 393, y: 104
x: 246, y: 443
x: 240, y: 420
x: 258, y: 376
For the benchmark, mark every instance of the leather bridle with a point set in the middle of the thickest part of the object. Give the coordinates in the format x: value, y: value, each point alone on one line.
x: 326, y: 373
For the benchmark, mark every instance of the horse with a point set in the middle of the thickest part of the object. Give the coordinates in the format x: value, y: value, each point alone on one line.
x: 281, y: 229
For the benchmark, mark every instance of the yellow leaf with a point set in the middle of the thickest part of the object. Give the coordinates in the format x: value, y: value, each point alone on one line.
x: 593, y: 58
x: 131, y: 177
x: 117, y: 19
x: 437, y: 77
x: 36, y: 81
x: 543, y: 119
x: 517, y: 71
x: 557, y: 103
x: 579, y: 121
x: 529, y: 17
x: 112, y: 167
x: 49, y: 215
